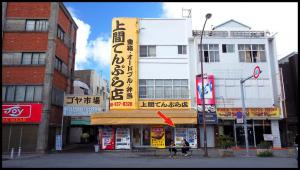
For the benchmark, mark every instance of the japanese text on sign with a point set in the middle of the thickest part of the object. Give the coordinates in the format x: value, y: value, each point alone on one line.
x: 230, y: 113
x: 165, y: 104
x: 123, y: 87
x: 82, y: 100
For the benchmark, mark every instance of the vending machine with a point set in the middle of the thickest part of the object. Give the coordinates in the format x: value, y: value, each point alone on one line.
x: 122, y: 138
x: 108, y: 138
x: 190, y: 134
x: 192, y: 137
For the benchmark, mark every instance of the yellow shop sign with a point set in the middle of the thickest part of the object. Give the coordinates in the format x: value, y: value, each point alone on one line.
x: 253, y: 113
x: 124, y: 64
x: 164, y: 104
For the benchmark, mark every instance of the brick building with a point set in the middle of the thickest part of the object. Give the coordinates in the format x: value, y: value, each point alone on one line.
x: 38, y: 55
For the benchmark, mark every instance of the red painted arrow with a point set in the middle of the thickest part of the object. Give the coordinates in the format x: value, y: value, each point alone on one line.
x: 167, y: 120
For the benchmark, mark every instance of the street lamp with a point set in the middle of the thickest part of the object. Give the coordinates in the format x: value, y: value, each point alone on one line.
x: 207, y: 16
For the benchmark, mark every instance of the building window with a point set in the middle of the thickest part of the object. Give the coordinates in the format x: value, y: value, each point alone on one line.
x: 10, y: 94
x: 36, y: 25
x: 57, y: 96
x: 60, y: 33
x: 228, y: 48
x: 29, y: 93
x: 3, y: 92
x: 23, y: 58
x: 60, y: 66
x: 163, y: 88
x: 22, y: 93
x: 26, y: 58
x: 252, y: 53
x: 147, y: 51
x: 181, y: 49
x: 210, y: 53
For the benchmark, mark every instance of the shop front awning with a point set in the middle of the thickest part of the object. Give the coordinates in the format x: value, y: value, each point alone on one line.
x: 140, y: 117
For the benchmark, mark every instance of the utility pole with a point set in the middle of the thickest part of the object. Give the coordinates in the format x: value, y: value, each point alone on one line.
x: 256, y: 73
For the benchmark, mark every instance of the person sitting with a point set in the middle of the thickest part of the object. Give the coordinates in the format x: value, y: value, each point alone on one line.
x: 186, y: 147
x: 172, y: 148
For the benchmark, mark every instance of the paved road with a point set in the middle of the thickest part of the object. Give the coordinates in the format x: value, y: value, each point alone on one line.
x: 132, y: 160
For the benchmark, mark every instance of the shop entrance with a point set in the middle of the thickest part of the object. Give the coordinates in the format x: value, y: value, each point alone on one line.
x: 141, y: 135
x: 240, y: 135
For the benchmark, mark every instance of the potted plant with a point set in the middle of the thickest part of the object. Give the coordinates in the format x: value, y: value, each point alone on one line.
x: 264, y: 149
x: 85, y: 137
x: 225, y: 143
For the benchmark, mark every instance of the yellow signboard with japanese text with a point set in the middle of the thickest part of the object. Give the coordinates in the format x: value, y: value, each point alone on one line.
x: 158, y: 137
x: 252, y: 113
x: 124, y: 64
x: 82, y: 100
x: 164, y: 104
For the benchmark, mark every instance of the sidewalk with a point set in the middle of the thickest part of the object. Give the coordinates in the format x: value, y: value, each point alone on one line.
x: 161, y: 153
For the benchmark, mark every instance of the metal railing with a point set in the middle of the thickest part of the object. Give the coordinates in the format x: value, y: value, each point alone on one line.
x: 235, y: 34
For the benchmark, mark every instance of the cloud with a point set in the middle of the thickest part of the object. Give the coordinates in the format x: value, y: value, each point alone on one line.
x: 99, y: 50
x: 275, y: 17
x: 90, y: 50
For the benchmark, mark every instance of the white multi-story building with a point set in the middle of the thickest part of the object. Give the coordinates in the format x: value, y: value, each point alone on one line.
x: 231, y: 51
x: 168, y: 63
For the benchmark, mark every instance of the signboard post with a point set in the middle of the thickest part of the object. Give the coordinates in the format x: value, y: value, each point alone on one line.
x: 256, y: 73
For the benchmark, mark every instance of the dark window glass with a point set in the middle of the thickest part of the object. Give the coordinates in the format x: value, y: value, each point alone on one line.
x: 26, y: 59
x: 10, y: 93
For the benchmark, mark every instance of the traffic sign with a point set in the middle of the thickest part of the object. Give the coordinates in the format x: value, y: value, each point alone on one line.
x: 256, y: 72
x: 239, y: 117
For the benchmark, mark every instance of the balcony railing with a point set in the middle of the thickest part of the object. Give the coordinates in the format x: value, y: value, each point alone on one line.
x: 247, y: 34
x: 211, y: 33
x: 235, y: 34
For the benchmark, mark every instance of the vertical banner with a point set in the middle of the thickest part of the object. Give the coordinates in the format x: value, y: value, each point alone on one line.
x: 108, y: 138
x: 58, y: 143
x: 124, y: 64
x: 209, y: 90
x: 192, y: 137
x: 158, y: 137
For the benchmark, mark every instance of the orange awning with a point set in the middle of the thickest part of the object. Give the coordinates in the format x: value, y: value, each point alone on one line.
x: 149, y: 117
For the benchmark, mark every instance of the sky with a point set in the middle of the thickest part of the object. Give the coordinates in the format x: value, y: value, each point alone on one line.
x: 94, y: 24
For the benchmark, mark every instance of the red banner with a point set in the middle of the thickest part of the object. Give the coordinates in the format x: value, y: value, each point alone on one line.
x: 108, y: 138
x: 22, y: 113
x: 209, y: 89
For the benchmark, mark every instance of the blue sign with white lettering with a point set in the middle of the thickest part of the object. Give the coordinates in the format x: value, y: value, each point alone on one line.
x: 210, y: 118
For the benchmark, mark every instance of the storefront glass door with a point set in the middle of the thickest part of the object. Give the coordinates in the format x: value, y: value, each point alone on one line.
x: 146, y: 136
x: 136, y: 136
x: 240, y: 135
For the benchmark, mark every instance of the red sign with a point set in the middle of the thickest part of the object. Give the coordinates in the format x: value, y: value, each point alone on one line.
x: 256, y: 72
x: 209, y: 89
x: 20, y: 113
x: 108, y: 138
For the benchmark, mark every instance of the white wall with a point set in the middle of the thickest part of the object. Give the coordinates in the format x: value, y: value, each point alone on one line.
x: 166, y: 35
x: 164, y: 31
x: 229, y: 71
